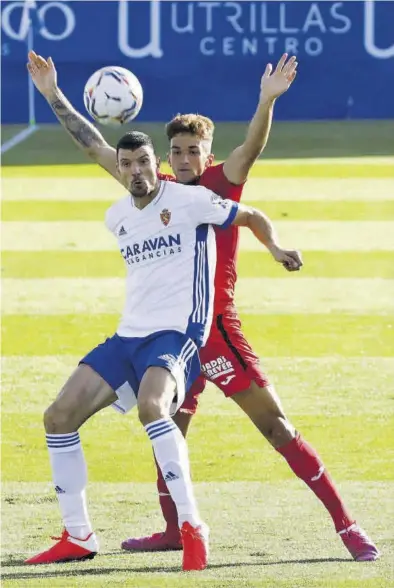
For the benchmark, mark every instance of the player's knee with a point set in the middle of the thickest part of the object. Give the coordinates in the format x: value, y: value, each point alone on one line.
x: 55, y: 420
x: 262, y: 405
x: 277, y: 429
x: 151, y: 409
x: 58, y: 420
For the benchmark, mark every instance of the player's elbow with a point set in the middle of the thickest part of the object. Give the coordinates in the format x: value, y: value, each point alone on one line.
x: 252, y: 216
x: 245, y: 216
x: 94, y: 153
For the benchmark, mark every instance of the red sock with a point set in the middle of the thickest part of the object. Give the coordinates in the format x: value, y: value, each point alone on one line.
x: 307, y: 465
x: 168, y: 507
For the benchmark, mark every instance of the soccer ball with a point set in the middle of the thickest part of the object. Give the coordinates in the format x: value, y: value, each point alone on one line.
x: 113, y: 96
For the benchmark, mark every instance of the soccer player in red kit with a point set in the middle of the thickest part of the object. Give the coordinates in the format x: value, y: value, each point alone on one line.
x: 227, y: 359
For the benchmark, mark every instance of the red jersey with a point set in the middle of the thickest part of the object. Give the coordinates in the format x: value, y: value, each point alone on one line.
x: 227, y: 240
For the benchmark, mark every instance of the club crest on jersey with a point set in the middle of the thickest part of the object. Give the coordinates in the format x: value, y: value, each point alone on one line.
x: 165, y: 216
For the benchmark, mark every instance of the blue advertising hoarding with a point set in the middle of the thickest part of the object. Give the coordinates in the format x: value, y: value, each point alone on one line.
x: 208, y: 56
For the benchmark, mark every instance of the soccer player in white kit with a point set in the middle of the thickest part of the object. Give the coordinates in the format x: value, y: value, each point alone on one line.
x: 164, y: 235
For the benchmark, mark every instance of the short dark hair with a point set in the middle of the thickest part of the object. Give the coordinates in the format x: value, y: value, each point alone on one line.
x: 134, y: 140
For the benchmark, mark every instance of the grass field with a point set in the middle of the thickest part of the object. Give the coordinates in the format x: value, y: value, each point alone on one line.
x: 326, y: 336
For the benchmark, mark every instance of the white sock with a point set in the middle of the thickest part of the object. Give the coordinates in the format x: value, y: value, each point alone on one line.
x: 171, y: 454
x: 69, y: 474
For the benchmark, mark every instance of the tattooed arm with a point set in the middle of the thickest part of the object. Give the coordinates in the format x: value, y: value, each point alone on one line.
x: 83, y: 133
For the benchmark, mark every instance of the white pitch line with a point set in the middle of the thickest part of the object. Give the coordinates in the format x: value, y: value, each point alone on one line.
x: 18, y: 138
x: 315, y: 295
x: 256, y: 189
x: 63, y: 296
x: 254, y: 295
x: 328, y: 236
x: 304, y: 235
x: 323, y: 189
x: 57, y: 235
x: 357, y: 160
x: 61, y: 188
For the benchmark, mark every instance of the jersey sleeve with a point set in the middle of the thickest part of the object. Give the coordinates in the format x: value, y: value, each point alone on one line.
x: 215, y: 179
x: 209, y: 208
x: 111, y: 219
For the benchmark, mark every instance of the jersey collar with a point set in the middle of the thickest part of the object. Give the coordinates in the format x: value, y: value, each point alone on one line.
x: 194, y: 182
x: 156, y: 198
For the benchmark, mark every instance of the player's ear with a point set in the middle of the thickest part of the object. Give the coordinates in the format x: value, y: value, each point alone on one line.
x: 210, y: 160
x: 158, y: 163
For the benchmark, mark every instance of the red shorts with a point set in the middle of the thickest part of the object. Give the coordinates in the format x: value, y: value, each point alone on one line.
x: 227, y: 360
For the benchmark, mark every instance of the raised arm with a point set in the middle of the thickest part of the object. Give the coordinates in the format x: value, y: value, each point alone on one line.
x: 264, y: 231
x: 273, y: 84
x: 83, y: 133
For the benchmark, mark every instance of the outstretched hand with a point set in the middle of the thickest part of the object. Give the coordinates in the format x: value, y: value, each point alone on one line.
x: 274, y: 83
x: 43, y: 73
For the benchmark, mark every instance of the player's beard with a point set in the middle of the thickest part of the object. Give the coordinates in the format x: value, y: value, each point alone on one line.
x: 140, y: 188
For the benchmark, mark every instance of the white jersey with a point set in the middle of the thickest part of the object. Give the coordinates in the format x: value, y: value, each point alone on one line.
x: 170, y: 253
